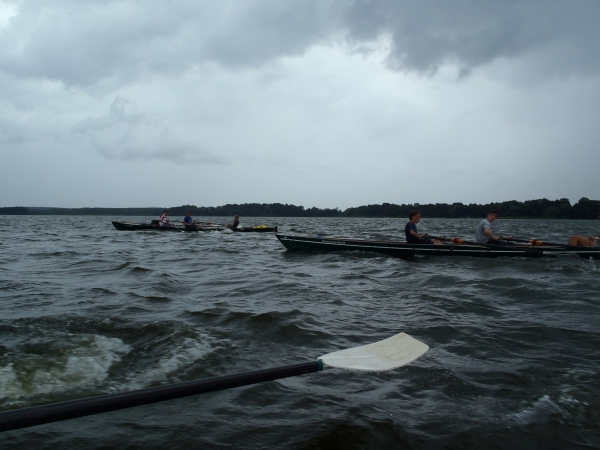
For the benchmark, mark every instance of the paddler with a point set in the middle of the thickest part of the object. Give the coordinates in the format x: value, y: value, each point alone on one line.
x: 410, y: 230
x: 580, y: 241
x: 235, y: 224
x: 484, y: 235
x: 188, y: 221
x: 164, y: 220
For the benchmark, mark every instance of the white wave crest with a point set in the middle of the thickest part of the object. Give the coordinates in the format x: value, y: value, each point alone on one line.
x: 182, y: 356
x: 86, y: 363
x: 538, y: 412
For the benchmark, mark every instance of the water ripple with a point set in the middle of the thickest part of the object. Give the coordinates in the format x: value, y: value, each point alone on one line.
x: 86, y: 310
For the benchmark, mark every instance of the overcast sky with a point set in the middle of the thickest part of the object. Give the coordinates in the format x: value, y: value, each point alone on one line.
x: 316, y: 102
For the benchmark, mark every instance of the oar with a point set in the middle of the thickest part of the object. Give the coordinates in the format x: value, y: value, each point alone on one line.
x: 535, y: 242
x: 184, y: 224
x: 196, y: 222
x: 173, y: 226
x: 204, y: 225
x: 456, y: 240
x: 178, y: 229
x: 460, y: 241
x: 388, y: 354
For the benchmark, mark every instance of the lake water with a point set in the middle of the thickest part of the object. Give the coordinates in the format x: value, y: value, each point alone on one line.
x: 514, y: 359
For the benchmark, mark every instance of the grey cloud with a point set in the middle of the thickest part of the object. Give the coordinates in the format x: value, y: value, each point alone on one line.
x: 12, y: 132
x: 165, y: 151
x: 128, y: 134
x: 272, y: 29
x: 80, y: 43
x: 122, y: 113
x: 85, y: 43
x: 469, y: 33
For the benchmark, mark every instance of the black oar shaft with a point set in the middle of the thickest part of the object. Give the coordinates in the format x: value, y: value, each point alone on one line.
x: 456, y: 240
x: 535, y: 242
x: 518, y: 240
x: 532, y: 243
x: 54, y: 412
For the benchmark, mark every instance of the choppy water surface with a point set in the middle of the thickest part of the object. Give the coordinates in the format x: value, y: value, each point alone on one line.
x: 88, y: 310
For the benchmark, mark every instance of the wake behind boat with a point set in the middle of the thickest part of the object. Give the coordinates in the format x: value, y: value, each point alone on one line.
x: 404, y: 249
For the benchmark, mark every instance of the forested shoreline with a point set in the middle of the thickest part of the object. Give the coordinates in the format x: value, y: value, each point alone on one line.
x: 541, y: 208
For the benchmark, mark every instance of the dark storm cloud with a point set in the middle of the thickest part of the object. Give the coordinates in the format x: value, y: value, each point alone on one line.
x: 469, y: 34
x: 81, y: 43
x: 271, y: 29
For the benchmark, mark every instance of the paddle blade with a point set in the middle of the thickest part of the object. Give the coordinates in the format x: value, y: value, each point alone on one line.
x: 388, y: 354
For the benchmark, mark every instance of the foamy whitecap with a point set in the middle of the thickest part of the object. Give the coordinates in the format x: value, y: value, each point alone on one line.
x: 86, y: 363
x: 8, y: 382
x: 538, y: 412
x: 181, y: 356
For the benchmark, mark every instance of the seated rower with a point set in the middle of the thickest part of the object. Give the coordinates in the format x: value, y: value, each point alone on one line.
x: 188, y: 221
x: 164, y: 220
x: 235, y: 224
x: 580, y: 241
x: 412, y: 235
x: 484, y: 235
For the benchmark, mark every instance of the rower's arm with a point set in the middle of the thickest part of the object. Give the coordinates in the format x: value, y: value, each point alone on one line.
x: 415, y: 234
x: 489, y: 234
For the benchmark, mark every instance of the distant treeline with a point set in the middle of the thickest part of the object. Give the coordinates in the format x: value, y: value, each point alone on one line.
x: 543, y: 208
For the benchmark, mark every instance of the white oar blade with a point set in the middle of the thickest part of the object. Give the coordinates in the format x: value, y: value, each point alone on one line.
x: 388, y: 354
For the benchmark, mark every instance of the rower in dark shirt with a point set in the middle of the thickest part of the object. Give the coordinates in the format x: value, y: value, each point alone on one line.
x: 188, y: 221
x: 410, y: 230
x: 235, y: 224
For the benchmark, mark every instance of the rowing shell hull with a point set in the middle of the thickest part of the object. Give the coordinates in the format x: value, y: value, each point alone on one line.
x: 124, y: 226
x: 405, y: 250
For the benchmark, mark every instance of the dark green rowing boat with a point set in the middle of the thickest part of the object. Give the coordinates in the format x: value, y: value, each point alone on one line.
x: 403, y: 249
x: 126, y: 226
x: 153, y: 226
